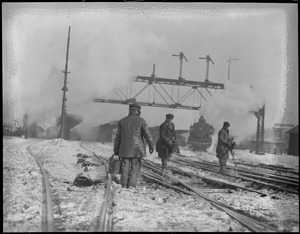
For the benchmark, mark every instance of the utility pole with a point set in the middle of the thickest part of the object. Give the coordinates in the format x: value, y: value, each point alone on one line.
x: 65, y: 89
x: 262, y: 112
x: 181, y: 56
x: 208, y: 59
x: 229, y: 62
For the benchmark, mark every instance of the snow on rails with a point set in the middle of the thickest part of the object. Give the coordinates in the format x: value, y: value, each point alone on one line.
x: 99, y: 206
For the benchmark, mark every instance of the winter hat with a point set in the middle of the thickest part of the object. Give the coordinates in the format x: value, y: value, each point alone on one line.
x: 226, y: 124
x: 135, y: 107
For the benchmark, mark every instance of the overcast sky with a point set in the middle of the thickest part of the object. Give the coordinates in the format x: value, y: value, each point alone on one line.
x: 111, y: 43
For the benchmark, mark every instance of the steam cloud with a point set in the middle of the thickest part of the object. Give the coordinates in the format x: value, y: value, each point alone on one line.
x: 109, y: 46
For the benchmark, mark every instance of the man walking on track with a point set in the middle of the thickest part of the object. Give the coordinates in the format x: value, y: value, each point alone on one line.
x: 166, y: 143
x: 129, y: 145
x: 223, y: 146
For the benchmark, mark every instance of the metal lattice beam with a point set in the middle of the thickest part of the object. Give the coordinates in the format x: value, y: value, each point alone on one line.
x: 152, y: 80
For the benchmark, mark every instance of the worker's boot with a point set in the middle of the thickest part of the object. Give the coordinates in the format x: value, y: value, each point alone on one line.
x: 162, y: 171
x: 222, y: 170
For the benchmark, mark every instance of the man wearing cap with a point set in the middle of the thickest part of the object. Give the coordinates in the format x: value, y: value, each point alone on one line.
x: 166, y: 142
x: 223, y: 146
x: 130, y: 146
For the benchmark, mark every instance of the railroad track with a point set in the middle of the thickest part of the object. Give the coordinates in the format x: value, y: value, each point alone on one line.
x: 48, y: 220
x: 151, y: 171
x: 169, y: 181
x: 47, y: 206
x: 104, y: 223
x: 279, y: 169
x: 105, y: 217
x: 277, y: 182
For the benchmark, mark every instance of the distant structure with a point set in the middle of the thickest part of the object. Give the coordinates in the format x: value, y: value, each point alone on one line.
x: 276, y: 139
x: 293, y: 146
x: 71, y: 121
x: 106, y: 132
x: 37, y: 131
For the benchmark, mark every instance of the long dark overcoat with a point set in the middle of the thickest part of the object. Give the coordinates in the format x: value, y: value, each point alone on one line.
x: 131, y: 135
x: 222, y: 147
x: 164, y: 145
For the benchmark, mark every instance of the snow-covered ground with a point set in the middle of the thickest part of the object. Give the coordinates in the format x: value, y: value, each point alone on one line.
x: 148, y: 207
x: 75, y: 209
x: 22, y: 195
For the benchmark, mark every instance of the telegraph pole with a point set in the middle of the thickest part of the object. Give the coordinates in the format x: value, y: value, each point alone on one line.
x: 229, y: 62
x: 262, y: 112
x: 208, y: 59
x: 65, y: 89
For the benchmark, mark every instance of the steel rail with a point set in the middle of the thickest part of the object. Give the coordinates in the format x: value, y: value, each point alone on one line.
x: 47, y: 216
x: 250, y: 223
x: 159, y: 181
x: 286, y: 178
x: 247, y: 177
x: 254, y: 174
x: 278, y: 168
x: 104, y: 221
x: 244, y: 170
x: 264, y: 166
x: 209, y: 180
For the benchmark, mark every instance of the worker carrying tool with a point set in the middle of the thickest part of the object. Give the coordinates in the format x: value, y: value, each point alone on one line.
x: 224, y: 146
x: 166, y: 144
x: 130, y: 145
x: 231, y: 149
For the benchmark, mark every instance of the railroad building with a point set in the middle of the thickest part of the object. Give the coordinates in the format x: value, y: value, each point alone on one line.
x: 293, y: 143
x: 41, y: 130
x: 106, y: 132
x: 276, y: 139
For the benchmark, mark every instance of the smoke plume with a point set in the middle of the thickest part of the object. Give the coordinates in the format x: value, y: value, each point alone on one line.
x: 109, y: 46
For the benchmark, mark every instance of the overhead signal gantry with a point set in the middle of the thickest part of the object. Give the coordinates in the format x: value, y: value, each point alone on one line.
x: 159, y: 87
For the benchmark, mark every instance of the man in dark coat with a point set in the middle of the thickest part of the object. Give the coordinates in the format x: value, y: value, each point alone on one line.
x: 166, y: 143
x: 223, y: 146
x: 129, y: 145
